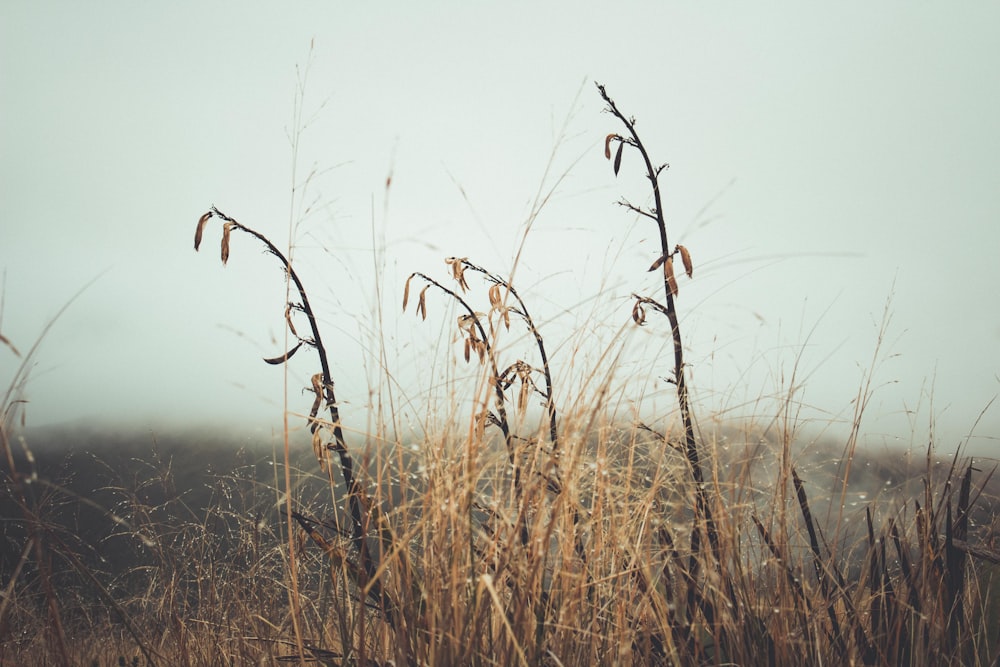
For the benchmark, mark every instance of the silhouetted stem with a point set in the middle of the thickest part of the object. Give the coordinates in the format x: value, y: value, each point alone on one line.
x: 339, y: 445
x: 494, y: 378
x: 683, y: 400
x: 522, y: 310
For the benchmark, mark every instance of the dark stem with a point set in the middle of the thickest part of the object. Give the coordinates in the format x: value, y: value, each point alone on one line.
x: 497, y: 388
x: 339, y: 445
x: 683, y: 399
x: 522, y: 310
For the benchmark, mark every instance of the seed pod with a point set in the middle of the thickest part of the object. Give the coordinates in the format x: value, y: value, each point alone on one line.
x: 406, y: 291
x: 226, y: 228
x: 618, y: 157
x: 422, y: 303
x: 607, y: 145
x: 458, y: 271
x: 468, y: 322
x: 638, y: 313
x: 668, y: 274
x: 288, y: 320
x: 495, y: 300
x: 201, y: 228
x: 317, y: 443
x: 686, y: 260
x: 317, y: 387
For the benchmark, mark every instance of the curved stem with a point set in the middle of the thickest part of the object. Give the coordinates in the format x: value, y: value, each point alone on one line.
x: 339, y: 445
x: 683, y: 398
x: 522, y: 310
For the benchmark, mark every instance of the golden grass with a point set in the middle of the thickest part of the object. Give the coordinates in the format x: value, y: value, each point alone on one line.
x: 205, y: 580
x: 501, y: 537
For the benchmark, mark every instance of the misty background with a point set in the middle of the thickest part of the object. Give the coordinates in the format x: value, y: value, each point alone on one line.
x: 828, y: 166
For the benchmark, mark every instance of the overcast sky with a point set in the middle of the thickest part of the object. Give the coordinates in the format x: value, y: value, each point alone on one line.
x: 825, y: 160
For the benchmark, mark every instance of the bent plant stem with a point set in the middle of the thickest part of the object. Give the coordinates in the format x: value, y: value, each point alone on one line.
x: 522, y: 311
x: 339, y: 445
x: 501, y: 416
x: 494, y: 369
x: 683, y: 399
x: 554, y: 482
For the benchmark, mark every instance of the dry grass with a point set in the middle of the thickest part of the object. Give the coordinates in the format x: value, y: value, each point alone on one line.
x: 502, y: 537
x: 197, y: 565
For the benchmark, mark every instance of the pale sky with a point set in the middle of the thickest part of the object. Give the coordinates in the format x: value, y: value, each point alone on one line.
x: 825, y: 159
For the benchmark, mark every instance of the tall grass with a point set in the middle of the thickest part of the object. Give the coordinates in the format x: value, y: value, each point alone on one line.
x: 504, y: 537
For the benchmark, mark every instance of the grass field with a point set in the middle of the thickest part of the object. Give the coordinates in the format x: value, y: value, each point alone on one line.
x: 529, y: 523
x: 181, y: 540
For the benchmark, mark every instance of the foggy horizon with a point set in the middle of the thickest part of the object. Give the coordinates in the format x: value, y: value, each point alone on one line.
x: 825, y: 169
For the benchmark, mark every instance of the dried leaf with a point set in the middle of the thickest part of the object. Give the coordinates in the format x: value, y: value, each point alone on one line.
x: 274, y: 361
x: 659, y: 261
x: 226, y: 228
x: 201, y: 228
x: 668, y: 275
x: 317, y: 387
x: 618, y: 157
x: 458, y: 270
x: 320, y: 451
x: 638, y: 313
x: 495, y: 300
x: 686, y: 259
x: 422, y: 303
x: 481, y: 420
x: 6, y: 341
x: 468, y: 348
x: 317, y: 443
x: 288, y: 319
x: 522, y: 396
x: 506, y: 318
x: 607, y: 145
x: 406, y: 291
x: 468, y: 322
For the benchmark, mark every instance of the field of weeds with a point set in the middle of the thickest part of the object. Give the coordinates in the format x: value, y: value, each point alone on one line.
x: 530, y: 526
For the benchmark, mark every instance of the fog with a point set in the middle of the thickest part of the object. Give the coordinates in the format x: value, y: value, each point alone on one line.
x: 833, y: 172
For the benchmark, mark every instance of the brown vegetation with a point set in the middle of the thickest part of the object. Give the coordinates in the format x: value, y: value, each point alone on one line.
x: 503, y: 538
